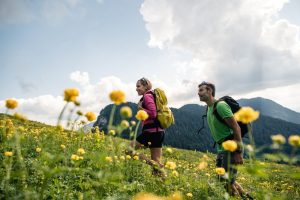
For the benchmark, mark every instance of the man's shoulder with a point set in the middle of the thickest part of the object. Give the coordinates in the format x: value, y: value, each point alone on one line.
x: 221, y: 105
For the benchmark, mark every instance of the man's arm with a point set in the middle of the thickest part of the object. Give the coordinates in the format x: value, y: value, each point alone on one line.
x: 232, y: 123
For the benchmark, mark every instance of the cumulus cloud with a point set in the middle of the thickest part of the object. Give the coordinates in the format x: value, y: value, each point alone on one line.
x: 241, y: 46
x: 93, y: 97
x: 80, y: 77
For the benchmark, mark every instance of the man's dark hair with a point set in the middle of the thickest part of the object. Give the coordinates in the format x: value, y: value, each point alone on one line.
x: 210, y: 86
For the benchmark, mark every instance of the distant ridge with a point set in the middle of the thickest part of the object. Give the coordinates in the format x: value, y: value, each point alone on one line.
x: 270, y: 108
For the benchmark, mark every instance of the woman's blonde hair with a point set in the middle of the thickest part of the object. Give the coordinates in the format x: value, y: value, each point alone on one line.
x: 146, y: 83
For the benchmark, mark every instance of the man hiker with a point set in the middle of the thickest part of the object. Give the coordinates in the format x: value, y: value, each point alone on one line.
x: 220, y: 132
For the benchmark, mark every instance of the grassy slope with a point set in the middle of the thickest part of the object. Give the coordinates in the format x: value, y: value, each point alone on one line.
x: 52, y: 174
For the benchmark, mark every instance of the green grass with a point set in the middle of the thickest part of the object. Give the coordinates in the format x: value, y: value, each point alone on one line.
x: 51, y: 174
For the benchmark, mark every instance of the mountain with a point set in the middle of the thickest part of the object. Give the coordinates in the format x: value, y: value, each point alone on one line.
x: 270, y: 108
x: 188, y: 120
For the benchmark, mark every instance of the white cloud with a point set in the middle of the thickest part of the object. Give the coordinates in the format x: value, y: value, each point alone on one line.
x: 93, y: 97
x: 80, y: 77
x: 239, y: 45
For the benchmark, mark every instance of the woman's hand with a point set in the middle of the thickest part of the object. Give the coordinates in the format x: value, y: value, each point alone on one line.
x: 140, y: 105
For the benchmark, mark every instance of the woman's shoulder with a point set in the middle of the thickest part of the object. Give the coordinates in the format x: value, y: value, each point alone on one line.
x: 148, y: 95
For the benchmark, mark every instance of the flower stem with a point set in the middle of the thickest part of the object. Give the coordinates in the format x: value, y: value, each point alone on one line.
x: 61, y: 114
x: 111, y: 117
x: 135, y: 133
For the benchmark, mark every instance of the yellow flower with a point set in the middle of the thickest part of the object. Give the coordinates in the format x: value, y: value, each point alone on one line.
x: 205, y: 157
x: 11, y: 103
x: 175, y: 196
x: 249, y: 148
x: 117, y: 96
x: 135, y: 157
x: 146, y: 196
x: 108, y: 159
x: 278, y: 139
x: 126, y: 112
x: 220, y: 170
x: 169, y: 150
x: 8, y: 154
x: 202, y: 165
x: 133, y: 123
x: 71, y: 94
x: 112, y: 132
x: 142, y: 115
x: 74, y: 157
x: 90, y: 116
x: 189, y: 195
x: 81, y: 151
x: 294, y: 140
x: 175, y: 173
x: 122, y: 157
x: 20, y: 117
x: 62, y: 146
x: 170, y: 165
x: 246, y: 115
x: 124, y: 124
x: 128, y: 157
x: 38, y: 149
x: 230, y: 145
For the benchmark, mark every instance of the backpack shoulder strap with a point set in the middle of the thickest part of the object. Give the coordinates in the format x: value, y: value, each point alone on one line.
x: 215, y: 112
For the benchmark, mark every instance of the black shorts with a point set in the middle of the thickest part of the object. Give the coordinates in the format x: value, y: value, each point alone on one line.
x: 222, y: 161
x: 151, y: 140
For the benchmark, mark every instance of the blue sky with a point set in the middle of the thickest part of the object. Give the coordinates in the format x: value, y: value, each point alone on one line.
x: 248, y: 48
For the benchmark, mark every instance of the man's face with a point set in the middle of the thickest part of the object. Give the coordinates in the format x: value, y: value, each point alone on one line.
x: 203, y: 93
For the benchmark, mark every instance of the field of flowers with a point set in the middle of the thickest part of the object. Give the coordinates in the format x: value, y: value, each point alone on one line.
x: 39, y: 161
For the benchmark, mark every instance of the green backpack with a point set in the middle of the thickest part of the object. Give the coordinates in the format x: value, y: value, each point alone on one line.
x: 164, y: 113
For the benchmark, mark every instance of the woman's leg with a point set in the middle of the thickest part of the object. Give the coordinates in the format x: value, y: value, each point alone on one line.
x: 156, y: 154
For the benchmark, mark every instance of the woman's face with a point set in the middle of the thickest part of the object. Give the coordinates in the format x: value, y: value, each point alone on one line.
x: 140, y: 88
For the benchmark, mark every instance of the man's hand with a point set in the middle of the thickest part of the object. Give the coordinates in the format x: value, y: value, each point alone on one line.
x: 238, y: 158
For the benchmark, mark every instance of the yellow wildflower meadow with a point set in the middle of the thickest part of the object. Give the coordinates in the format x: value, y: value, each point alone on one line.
x: 246, y: 115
